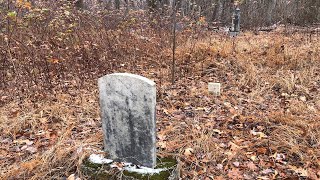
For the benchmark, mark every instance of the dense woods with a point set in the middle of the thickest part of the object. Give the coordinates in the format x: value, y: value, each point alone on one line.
x: 255, y: 12
x: 264, y: 125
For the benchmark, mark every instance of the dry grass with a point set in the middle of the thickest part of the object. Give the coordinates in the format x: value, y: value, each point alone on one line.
x: 270, y: 84
x: 278, y: 70
x: 63, y: 129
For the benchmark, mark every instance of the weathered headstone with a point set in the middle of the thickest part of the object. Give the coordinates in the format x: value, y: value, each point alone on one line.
x: 236, y: 22
x: 128, y: 107
x: 235, y: 28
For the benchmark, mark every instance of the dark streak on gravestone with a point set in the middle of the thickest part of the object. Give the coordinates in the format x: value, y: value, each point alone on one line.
x: 127, y: 103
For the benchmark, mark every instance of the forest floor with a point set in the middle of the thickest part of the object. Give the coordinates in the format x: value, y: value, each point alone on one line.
x: 264, y: 125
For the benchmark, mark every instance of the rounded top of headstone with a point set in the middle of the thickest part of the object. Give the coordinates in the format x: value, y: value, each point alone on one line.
x: 129, y: 75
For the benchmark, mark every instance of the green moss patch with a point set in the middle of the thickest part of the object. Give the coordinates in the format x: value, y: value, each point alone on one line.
x: 103, y: 171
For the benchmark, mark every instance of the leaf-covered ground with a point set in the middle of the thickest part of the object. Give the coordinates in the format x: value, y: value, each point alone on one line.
x: 265, y: 124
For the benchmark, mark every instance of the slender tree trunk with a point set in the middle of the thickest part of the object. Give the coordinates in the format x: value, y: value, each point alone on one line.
x: 173, y: 68
x: 117, y: 4
x: 271, y: 6
x: 79, y: 3
x: 219, y: 10
x: 152, y: 5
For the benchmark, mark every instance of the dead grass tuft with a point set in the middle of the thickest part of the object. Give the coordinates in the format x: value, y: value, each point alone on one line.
x: 296, y: 136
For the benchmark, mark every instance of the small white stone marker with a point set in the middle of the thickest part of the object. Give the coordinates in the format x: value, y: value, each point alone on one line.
x: 214, y: 88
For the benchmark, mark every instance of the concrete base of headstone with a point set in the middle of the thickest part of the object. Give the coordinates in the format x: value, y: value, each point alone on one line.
x: 233, y: 34
x: 104, y: 171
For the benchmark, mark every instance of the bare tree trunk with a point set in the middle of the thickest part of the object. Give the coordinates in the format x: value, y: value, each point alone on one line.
x: 152, y: 4
x: 219, y: 9
x: 127, y: 6
x: 270, y: 8
x: 79, y: 3
x: 108, y: 4
x: 164, y: 2
x: 117, y: 4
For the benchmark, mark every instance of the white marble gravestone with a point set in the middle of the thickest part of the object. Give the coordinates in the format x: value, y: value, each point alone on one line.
x: 128, y: 107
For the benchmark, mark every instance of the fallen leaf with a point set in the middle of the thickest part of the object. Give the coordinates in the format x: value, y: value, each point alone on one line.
x: 200, y: 109
x: 30, y: 165
x: 54, y: 60
x: 219, y: 178
x: 235, y: 174
x: 219, y: 166
x: 23, y: 141
x: 227, y: 104
x: 233, y: 146
x: 252, y: 166
x: 162, y: 144
x: 72, y: 177
x: 161, y: 136
x: 280, y: 157
x: 32, y: 149
x: 263, y: 177
x: 217, y: 131
x: 260, y: 134
x: 267, y: 171
x: 23, y: 147
x: 14, y: 113
x: 262, y: 150
x: 166, y: 112
x: 231, y: 154
x: 188, y: 152
x: 232, y: 111
x: 236, y: 164
x: 3, y: 98
x: 303, y: 98
x: 300, y: 171
x: 43, y: 120
x: 253, y: 158
x: 276, y: 173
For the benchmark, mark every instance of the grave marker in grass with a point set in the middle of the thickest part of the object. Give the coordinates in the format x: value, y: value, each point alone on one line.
x: 235, y: 27
x: 128, y: 108
x: 214, y: 88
